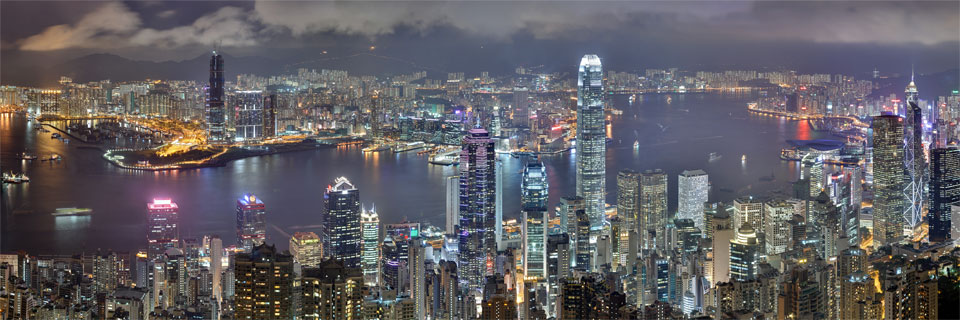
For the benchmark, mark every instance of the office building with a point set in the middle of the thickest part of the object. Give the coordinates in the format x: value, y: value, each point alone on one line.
x: 417, y: 258
x: 270, y: 106
x: 889, y: 202
x: 477, y: 208
x: 162, y: 232
x: 215, y: 111
x: 370, y: 261
x: 628, y: 203
x: 251, y: 222
x: 747, y: 210
x: 743, y: 254
x: 776, y: 226
x: 341, y: 218
x: 452, y: 187
x: 591, y: 146
x: 693, y: 188
x: 264, y: 284
x: 944, y: 191
x: 247, y: 107
x: 307, y: 249
x: 533, y: 205
x: 653, y: 209
x: 567, y: 212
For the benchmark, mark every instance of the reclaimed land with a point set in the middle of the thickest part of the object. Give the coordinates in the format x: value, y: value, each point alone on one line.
x: 213, y: 156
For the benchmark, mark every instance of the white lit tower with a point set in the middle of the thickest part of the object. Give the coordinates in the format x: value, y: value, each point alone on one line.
x: 591, y: 138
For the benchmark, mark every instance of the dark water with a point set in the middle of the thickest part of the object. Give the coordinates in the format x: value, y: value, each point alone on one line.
x: 403, y: 186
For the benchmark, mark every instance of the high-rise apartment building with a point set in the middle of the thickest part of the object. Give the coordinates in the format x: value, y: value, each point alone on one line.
x: 307, y: 249
x: 264, y: 284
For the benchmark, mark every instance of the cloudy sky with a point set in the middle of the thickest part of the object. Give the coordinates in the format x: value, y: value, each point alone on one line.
x: 636, y: 33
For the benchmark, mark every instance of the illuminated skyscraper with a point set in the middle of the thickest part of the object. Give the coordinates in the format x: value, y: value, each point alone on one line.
x: 914, y: 161
x: 944, y: 191
x: 533, y: 198
x: 889, y: 203
x: 216, y: 265
x: 162, y: 232
x: 341, y: 218
x: 370, y: 225
x: 215, y: 114
x: 270, y: 104
x: 418, y: 275
x: 248, y: 106
x: 812, y: 171
x: 452, y: 185
x: 477, y: 208
x: 251, y: 222
x: 653, y: 208
x: 743, y: 254
x: 264, y: 285
x: 693, y: 192
x: 331, y: 291
x: 591, y: 145
x: 628, y: 199
x: 306, y: 248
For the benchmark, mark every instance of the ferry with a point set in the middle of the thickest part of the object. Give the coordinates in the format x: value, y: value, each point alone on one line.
x: 64, y: 212
x: 715, y: 156
x: 10, y: 177
x: 27, y: 156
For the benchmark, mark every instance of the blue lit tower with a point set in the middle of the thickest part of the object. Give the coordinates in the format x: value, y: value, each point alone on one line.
x: 944, y: 191
x: 533, y: 204
x: 591, y: 138
x: 251, y: 222
x: 215, y: 110
x: 477, y: 207
x: 341, y: 221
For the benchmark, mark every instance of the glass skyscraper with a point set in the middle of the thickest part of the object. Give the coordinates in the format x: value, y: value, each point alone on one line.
x: 341, y: 220
x: 370, y: 226
x: 693, y: 188
x: 251, y: 222
x: 477, y: 207
x: 591, y: 138
x: 162, y: 232
x: 913, y: 160
x: 215, y: 113
x: 533, y: 198
x: 653, y: 208
x: 888, y: 177
x: 944, y: 191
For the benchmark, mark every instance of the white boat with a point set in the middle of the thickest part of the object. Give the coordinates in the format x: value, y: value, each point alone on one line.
x: 73, y: 211
x: 636, y: 144
x: 11, y: 178
x: 27, y: 156
x: 55, y: 157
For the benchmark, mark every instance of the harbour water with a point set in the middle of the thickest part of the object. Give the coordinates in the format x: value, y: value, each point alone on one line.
x: 674, y: 136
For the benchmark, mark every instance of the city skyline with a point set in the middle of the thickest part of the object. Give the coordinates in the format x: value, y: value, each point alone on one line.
x: 480, y: 160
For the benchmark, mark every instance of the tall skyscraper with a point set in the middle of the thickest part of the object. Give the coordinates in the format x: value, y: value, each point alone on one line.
x: 307, y: 249
x: 693, y: 192
x: 743, y: 254
x: 248, y: 106
x: 270, y: 105
x: 215, y: 113
x: 162, y: 232
x: 216, y: 266
x: 264, y: 284
x: 370, y: 226
x: 533, y: 204
x: 944, y: 191
x: 889, y: 202
x: 776, y: 225
x: 418, y: 275
x: 813, y: 172
x: 653, y: 209
x: 591, y: 144
x: 341, y: 219
x: 477, y: 208
x: 452, y: 185
x: 914, y: 161
x: 747, y: 210
x: 628, y: 199
x: 251, y: 221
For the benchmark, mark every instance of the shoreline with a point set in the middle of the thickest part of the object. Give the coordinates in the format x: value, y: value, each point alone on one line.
x: 231, y: 154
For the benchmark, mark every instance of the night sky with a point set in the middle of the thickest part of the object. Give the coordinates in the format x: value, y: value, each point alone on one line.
x: 835, y: 37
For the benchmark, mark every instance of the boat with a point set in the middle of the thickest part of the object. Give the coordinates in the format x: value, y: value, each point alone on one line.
x: 73, y: 211
x: 743, y: 158
x: 55, y: 135
x: 715, y: 156
x: 55, y: 157
x: 27, y: 156
x: 633, y: 98
x: 410, y: 146
x: 376, y: 148
x: 636, y: 144
x: 11, y: 178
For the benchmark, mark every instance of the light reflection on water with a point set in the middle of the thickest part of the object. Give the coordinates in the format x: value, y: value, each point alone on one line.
x: 401, y: 185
